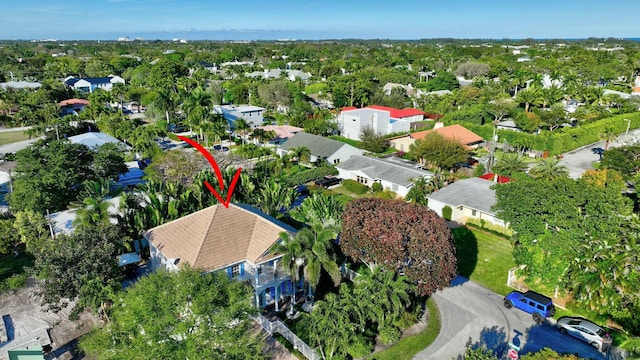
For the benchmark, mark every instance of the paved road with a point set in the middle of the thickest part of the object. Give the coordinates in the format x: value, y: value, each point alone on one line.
x: 474, y: 316
x: 579, y: 160
x: 17, y: 146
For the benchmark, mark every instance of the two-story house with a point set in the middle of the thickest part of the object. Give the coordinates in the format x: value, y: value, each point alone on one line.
x: 91, y: 84
x: 381, y: 119
x: 236, y: 240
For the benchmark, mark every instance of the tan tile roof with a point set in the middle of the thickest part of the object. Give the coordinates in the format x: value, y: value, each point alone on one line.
x: 456, y: 132
x: 216, y: 237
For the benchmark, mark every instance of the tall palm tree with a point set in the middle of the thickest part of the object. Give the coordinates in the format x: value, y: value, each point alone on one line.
x: 165, y: 102
x: 510, y: 164
x: 318, y: 254
x: 301, y: 154
x: 197, y: 107
x: 292, y: 260
x: 548, y: 169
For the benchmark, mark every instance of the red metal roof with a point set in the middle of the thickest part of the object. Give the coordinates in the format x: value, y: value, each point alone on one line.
x: 501, y: 179
x: 398, y: 113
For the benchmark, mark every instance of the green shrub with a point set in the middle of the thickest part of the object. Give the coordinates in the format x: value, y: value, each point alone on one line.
x: 390, y: 334
x: 447, y: 212
x: 386, y: 194
x: 173, y: 136
x: 360, y: 347
x: 376, y: 187
x: 406, y: 320
x: 490, y: 227
x: 355, y: 187
x: 16, y: 281
x: 306, y: 176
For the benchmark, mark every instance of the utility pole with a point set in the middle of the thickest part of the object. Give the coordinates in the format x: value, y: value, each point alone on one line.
x: 626, y: 133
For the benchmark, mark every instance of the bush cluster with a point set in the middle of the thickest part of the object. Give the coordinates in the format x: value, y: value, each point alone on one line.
x: 561, y: 140
x: 306, y: 176
x: 355, y: 187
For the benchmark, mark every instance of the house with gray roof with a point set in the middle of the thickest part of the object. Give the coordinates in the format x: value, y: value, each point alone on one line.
x: 97, y: 139
x: 321, y: 148
x: 467, y: 198
x: 394, y: 174
x: 291, y: 75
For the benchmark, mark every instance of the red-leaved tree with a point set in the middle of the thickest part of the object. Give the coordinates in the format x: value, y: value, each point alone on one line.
x: 400, y: 237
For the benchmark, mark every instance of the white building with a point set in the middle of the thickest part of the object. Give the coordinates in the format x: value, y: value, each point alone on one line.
x: 467, y: 198
x: 382, y: 120
x: 254, y: 115
x: 91, y: 84
x: 393, y: 174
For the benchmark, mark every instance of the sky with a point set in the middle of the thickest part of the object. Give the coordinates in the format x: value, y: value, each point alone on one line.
x: 317, y: 19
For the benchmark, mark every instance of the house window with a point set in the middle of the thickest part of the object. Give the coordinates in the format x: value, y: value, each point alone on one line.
x: 235, y: 270
x: 473, y: 213
x: 362, y: 180
x: 335, y: 161
x: 259, y: 269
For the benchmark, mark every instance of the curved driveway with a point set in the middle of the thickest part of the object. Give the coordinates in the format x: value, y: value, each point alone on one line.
x: 473, y: 315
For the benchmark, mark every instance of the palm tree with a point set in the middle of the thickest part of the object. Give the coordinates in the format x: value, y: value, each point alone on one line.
x: 528, y: 97
x: 197, y: 106
x: 608, y: 135
x: 331, y: 329
x: 301, y: 154
x: 92, y: 205
x: 272, y: 196
x: 384, y: 293
x: 510, y: 164
x: 165, y: 102
x: 319, y: 209
x: 318, y: 255
x: 548, y: 169
x: 242, y: 127
x: 292, y: 260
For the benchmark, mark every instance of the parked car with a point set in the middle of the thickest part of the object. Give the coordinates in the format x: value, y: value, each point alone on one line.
x: 328, y: 180
x: 220, y: 148
x: 582, y: 329
x: 539, y: 306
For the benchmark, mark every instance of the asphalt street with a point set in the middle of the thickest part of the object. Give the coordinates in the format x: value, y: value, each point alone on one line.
x: 474, y: 316
x: 579, y: 160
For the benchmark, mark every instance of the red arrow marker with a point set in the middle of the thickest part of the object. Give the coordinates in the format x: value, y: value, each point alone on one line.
x: 208, y: 156
x: 216, y: 169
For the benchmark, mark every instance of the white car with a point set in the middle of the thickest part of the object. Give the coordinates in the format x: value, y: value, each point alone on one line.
x: 582, y: 329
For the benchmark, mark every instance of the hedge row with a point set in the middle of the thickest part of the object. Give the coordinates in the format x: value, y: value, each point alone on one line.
x: 490, y: 227
x: 306, y: 176
x: 561, y: 140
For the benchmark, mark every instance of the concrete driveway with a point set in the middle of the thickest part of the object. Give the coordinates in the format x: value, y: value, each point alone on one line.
x: 474, y: 316
x: 579, y: 160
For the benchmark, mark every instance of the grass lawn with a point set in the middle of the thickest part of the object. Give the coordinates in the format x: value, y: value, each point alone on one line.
x: 484, y: 258
x: 407, y: 347
x: 12, y: 136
